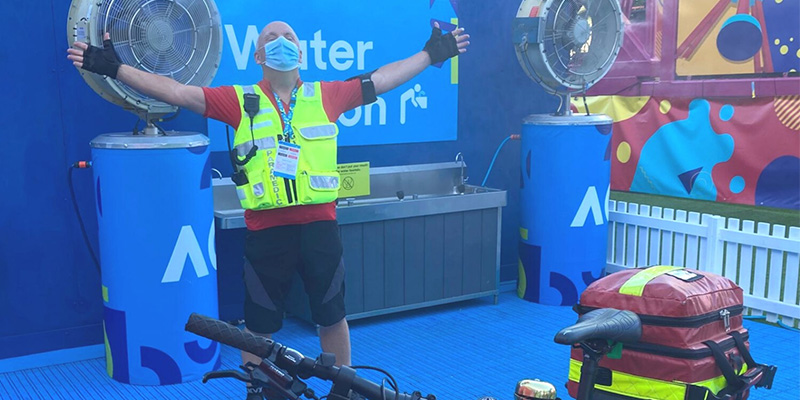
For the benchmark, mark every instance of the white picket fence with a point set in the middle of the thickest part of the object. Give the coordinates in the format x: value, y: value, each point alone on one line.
x: 764, y: 262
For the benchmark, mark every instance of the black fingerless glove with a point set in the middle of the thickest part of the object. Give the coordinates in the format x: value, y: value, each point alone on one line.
x: 102, y: 61
x: 441, y: 47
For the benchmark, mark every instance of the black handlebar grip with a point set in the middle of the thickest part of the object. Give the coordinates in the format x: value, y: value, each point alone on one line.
x: 222, y: 332
x: 372, y: 390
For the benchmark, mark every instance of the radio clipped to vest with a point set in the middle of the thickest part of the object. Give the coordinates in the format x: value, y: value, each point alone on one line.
x: 239, y: 178
x: 251, y: 107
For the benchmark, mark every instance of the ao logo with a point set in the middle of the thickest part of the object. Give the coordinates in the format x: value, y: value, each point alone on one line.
x: 591, y: 202
x: 187, y: 245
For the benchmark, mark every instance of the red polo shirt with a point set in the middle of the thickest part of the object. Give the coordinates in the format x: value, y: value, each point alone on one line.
x: 337, y: 97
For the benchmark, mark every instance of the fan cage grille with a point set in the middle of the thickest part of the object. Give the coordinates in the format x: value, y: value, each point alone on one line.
x: 574, y: 61
x: 180, y: 39
x: 580, y: 42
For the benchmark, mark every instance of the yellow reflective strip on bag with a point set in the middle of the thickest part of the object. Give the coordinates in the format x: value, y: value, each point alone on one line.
x: 634, y: 386
x: 648, y: 388
x: 715, y: 385
x: 635, y: 284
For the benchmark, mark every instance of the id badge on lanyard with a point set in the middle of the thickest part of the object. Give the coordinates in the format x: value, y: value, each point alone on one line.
x: 286, y: 160
x: 288, y: 154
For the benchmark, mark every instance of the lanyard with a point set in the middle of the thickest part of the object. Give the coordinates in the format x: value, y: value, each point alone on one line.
x: 287, y: 117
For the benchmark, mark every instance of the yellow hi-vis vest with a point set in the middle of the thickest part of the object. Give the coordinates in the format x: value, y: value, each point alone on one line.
x: 317, y: 180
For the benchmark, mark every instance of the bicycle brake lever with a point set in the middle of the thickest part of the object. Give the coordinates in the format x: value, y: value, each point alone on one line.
x: 226, y: 374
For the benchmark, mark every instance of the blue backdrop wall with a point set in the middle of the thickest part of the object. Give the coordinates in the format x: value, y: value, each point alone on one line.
x: 50, y: 294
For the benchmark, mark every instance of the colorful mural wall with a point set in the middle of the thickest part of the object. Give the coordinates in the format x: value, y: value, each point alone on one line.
x: 725, y: 37
x: 730, y: 150
x: 706, y: 101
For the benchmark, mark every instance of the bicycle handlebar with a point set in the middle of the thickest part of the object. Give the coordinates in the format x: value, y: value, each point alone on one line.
x: 228, y: 334
x: 289, y: 359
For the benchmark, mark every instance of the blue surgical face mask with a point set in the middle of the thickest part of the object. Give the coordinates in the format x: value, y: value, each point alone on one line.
x: 281, y: 54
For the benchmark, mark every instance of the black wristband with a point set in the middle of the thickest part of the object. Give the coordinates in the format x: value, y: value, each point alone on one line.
x: 441, y: 47
x: 102, y: 61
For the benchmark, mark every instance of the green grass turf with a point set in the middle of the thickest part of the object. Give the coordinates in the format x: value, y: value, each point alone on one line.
x: 770, y: 215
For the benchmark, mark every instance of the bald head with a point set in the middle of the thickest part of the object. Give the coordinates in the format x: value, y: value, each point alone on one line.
x: 272, y: 31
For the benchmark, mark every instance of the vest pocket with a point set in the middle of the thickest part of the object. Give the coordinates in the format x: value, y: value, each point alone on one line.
x: 318, y: 146
x: 257, y: 192
x: 315, y: 187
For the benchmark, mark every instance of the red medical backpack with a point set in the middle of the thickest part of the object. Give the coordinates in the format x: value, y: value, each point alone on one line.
x: 693, y: 345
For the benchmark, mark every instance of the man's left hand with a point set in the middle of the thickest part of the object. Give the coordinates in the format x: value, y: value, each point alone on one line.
x: 442, y: 47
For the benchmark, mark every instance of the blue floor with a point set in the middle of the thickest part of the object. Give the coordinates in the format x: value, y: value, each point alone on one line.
x: 460, y: 351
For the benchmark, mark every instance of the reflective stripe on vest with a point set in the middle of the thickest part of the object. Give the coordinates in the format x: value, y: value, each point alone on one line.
x: 263, y: 144
x: 316, y: 132
x: 309, y: 89
x: 635, y: 284
x: 265, y: 124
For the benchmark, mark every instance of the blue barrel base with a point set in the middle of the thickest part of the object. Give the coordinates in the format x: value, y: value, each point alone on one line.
x: 564, y: 189
x: 156, y: 232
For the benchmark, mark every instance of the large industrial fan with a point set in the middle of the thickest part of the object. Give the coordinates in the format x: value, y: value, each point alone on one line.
x: 566, y: 46
x: 181, y: 39
x: 153, y: 191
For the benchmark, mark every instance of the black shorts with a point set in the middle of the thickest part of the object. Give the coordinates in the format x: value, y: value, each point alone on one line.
x: 272, y: 256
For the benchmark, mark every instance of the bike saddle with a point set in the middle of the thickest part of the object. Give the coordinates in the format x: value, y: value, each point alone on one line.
x: 605, y: 323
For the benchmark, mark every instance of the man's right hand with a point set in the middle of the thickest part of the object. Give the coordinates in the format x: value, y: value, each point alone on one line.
x: 103, y: 61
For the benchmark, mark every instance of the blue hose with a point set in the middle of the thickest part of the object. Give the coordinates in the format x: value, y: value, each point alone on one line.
x: 791, y: 328
x: 491, y: 165
x: 762, y: 317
